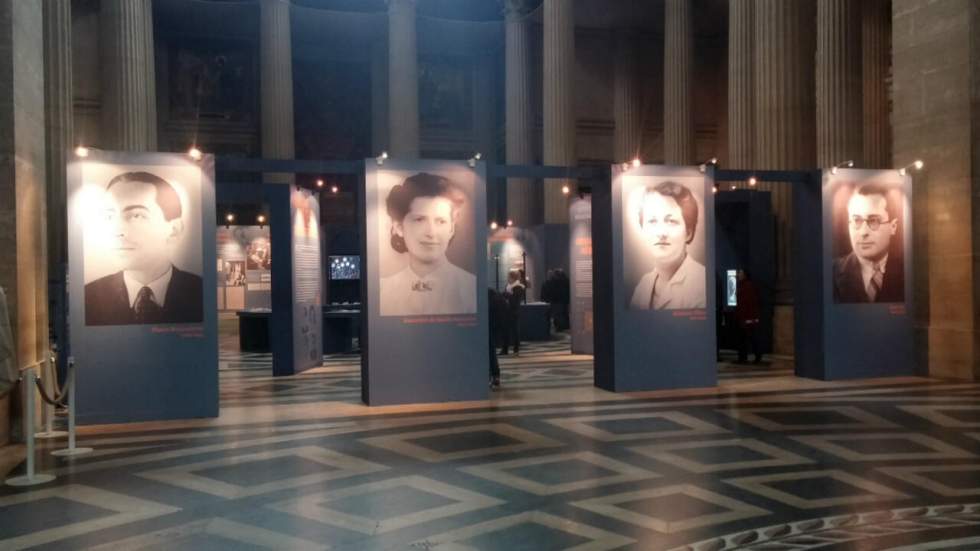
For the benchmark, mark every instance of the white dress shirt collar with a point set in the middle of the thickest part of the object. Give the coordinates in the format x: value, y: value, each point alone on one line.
x: 158, y: 286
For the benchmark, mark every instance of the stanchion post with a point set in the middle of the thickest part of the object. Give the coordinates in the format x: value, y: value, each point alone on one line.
x: 30, y: 478
x: 71, y: 450
x: 50, y: 374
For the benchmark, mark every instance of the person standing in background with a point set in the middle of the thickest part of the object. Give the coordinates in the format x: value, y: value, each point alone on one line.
x: 515, y: 294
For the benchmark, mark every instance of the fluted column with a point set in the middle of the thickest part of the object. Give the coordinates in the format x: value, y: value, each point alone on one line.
x: 678, y: 76
x: 128, y: 93
x: 559, y: 106
x: 627, y: 102
x: 876, y: 29
x: 741, y: 96
x: 276, y: 66
x: 403, y: 80
x: 784, y: 125
x: 522, y: 206
x: 379, y: 96
x: 58, y: 123
x: 839, y: 122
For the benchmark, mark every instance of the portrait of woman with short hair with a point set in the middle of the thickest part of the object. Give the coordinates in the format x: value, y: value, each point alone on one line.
x: 424, y: 212
x: 667, y: 216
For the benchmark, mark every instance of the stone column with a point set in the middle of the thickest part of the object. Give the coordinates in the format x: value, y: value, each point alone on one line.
x: 559, y: 105
x: 678, y: 77
x: 379, y: 96
x: 128, y: 93
x: 741, y: 96
x: 785, y: 114
x: 876, y: 54
x: 23, y: 240
x: 58, y: 120
x: 403, y: 80
x: 627, y: 101
x: 941, y: 59
x: 839, y: 122
x: 276, y: 70
x: 522, y: 207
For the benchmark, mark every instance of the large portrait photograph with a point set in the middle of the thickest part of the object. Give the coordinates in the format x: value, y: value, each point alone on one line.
x: 426, y: 245
x: 664, y: 242
x: 868, y: 246
x: 142, y: 244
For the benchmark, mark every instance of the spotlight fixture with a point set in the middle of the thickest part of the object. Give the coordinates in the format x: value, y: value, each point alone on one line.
x: 918, y: 165
x: 319, y: 182
x: 637, y: 163
x: 704, y: 166
x: 838, y: 166
x: 714, y: 189
x: 229, y: 218
x: 195, y: 153
x: 334, y: 189
x: 493, y: 225
x: 625, y: 166
x: 260, y: 219
x: 565, y: 190
x: 510, y: 223
x: 81, y: 151
x: 476, y: 157
x: 381, y: 158
x: 753, y: 181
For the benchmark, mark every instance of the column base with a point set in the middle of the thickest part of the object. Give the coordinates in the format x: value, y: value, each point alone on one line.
x: 782, y: 329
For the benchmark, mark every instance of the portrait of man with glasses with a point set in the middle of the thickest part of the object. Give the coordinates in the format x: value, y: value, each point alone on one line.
x: 873, y: 270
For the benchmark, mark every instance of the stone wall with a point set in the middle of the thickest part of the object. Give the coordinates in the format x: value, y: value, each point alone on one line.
x: 23, y: 262
x: 934, y: 117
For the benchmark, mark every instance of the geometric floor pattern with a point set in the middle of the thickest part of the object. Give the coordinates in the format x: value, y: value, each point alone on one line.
x: 765, y: 461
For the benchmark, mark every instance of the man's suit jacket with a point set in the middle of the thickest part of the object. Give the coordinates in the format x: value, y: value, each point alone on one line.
x: 107, y: 302
x: 849, y: 285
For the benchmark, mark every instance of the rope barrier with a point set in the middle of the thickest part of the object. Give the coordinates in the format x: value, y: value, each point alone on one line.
x: 59, y: 399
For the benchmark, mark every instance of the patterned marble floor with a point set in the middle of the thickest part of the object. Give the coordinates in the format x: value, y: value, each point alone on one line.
x: 764, y: 462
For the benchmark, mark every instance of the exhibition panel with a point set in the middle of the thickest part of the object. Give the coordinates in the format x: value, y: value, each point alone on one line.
x: 425, y: 289
x: 244, y: 268
x: 854, y: 297
x: 654, y: 260
x: 297, y: 290
x: 580, y: 275
x: 142, y: 292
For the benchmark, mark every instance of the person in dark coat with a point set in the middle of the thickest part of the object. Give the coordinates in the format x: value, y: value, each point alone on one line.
x: 498, y: 312
x: 747, y: 317
x: 514, y: 294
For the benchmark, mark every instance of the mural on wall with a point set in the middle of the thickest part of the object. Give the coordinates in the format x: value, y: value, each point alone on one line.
x: 213, y: 79
x: 335, y: 102
x: 445, y: 93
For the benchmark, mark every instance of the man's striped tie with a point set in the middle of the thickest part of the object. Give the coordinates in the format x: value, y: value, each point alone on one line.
x: 874, y: 286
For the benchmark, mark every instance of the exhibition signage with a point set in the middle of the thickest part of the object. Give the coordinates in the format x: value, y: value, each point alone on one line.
x: 424, y: 286
x: 580, y: 268
x: 653, y: 247
x: 853, y: 302
x: 244, y: 268
x: 143, y: 316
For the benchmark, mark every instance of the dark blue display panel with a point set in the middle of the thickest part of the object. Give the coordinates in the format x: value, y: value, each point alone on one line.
x: 580, y: 276
x: 425, y: 286
x: 853, y: 278
x: 142, y: 286
x: 654, y: 288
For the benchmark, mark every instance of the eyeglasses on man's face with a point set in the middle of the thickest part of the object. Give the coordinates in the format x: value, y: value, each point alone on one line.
x: 873, y: 222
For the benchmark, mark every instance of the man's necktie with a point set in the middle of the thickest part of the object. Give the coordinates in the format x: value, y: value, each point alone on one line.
x: 653, y: 292
x: 146, y: 308
x: 874, y: 286
x: 422, y: 285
